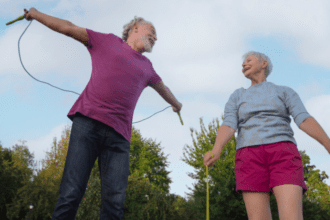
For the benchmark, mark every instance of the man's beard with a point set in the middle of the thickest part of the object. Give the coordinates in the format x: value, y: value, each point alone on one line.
x: 147, y: 44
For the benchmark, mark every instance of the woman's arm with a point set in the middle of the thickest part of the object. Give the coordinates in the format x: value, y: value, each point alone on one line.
x: 313, y: 129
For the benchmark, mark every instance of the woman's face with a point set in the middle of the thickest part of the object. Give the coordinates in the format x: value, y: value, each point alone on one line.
x: 251, y: 65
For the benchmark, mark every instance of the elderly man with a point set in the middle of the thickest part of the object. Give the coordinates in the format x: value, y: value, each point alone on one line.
x: 267, y: 156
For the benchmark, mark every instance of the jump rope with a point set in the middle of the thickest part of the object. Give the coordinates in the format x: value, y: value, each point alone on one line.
x: 207, y: 175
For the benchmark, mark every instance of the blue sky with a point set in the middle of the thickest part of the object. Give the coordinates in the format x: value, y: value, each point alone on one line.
x: 198, y: 55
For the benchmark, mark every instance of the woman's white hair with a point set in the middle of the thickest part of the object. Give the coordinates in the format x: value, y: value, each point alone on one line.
x: 129, y: 27
x: 261, y: 57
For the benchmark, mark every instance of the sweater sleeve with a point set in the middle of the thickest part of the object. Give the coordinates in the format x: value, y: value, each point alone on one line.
x: 295, y: 106
x: 231, y: 114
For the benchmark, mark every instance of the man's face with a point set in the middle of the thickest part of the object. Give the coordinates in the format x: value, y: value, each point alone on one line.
x: 148, y: 36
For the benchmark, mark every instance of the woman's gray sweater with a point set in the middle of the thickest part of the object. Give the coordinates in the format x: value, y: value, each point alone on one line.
x: 262, y: 114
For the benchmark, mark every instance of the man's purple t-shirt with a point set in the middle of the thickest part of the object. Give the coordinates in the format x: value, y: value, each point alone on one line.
x: 119, y: 75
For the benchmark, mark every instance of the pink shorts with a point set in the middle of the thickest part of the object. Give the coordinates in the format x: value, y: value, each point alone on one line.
x: 262, y: 167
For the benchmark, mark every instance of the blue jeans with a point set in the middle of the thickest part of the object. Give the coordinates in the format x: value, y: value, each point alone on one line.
x: 91, y: 139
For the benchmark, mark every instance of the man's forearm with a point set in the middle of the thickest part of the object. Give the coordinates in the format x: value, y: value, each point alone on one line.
x: 169, y: 97
x: 53, y: 23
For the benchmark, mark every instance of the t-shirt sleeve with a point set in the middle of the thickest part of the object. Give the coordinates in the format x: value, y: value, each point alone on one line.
x: 295, y: 106
x: 231, y: 116
x: 154, y: 78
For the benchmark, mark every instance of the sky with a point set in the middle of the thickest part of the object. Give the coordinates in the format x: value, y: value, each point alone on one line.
x: 198, y: 55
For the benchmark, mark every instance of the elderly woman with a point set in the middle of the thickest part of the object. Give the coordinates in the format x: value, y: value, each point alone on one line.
x: 267, y: 159
x: 102, y: 122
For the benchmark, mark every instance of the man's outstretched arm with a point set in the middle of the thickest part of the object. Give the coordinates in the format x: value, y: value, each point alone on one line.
x: 61, y: 26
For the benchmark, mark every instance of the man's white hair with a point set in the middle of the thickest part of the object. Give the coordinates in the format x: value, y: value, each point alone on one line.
x: 261, y: 57
x: 129, y: 27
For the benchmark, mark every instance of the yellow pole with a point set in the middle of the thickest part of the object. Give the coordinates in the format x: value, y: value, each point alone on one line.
x: 207, y: 196
x: 207, y: 193
x: 18, y: 19
x: 207, y: 175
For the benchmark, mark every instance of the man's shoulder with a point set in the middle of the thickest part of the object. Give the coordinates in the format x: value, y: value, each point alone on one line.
x: 101, y: 34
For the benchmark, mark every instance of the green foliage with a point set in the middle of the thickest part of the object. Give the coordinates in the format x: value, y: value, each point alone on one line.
x: 316, y: 201
x: 37, y: 193
x: 14, y: 174
x: 147, y: 160
x: 224, y: 201
x: 6, y: 190
x: 142, y: 201
x: 42, y: 192
x: 90, y: 205
x: 147, y: 177
x: 147, y: 195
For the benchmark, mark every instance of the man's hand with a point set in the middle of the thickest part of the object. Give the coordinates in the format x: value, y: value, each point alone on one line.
x: 30, y: 15
x: 177, y: 109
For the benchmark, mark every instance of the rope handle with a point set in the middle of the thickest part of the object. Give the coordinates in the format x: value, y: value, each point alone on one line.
x: 18, y: 19
x: 211, y: 153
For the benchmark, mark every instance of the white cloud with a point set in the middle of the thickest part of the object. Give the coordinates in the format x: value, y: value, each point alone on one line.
x: 306, y: 21
x: 190, y: 38
x: 217, y: 75
x: 10, y: 8
x: 44, y: 52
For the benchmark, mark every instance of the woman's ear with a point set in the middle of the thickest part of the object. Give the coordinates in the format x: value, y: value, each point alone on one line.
x: 265, y: 63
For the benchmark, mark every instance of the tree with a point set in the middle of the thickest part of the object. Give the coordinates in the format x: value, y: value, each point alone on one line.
x: 147, y: 195
x: 5, y: 177
x: 318, y: 192
x: 148, y: 181
x: 42, y: 191
x: 224, y: 201
x: 15, y: 173
x: 147, y: 161
x: 147, y: 165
